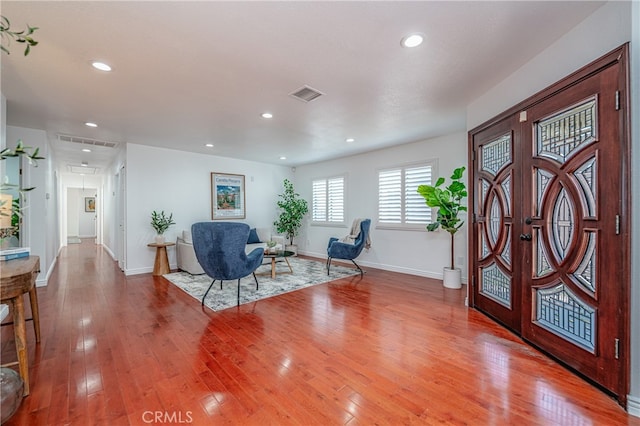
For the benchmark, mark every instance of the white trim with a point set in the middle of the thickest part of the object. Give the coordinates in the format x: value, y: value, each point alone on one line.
x: 633, y: 405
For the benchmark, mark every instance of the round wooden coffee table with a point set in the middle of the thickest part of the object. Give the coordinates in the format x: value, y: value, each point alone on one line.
x: 280, y: 254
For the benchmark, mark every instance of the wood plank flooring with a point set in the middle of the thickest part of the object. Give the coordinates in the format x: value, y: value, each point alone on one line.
x: 388, y: 349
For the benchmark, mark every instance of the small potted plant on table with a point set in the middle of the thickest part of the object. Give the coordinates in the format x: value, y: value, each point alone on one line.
x: 160, y: 222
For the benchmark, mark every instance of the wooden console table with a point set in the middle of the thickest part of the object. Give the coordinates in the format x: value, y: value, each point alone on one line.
x: 18, y: 277
x: 161, y: 265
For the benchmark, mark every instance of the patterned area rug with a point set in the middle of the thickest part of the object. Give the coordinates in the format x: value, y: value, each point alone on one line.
x: 305, y: 274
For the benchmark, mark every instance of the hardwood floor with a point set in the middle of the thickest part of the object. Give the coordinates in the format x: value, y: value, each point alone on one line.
x: 387, y: 349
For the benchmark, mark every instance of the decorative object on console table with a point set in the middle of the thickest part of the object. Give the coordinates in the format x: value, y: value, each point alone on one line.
x: 12, y: 195
x: 227, y: 196
x: 449, y: 204
x: 292, y: 211
x: 160, y: 222
x: 15, y: 253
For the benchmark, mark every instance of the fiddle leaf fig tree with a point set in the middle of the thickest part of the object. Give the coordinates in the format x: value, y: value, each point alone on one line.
x: 292, y: 211
x: 448, y: 201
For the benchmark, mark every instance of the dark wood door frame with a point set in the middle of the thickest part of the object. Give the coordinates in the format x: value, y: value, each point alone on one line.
x: 618, y: 56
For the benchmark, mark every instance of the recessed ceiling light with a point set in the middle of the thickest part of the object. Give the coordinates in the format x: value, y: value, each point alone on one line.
x: 84, y: 164
x: 267, y: 115
x: 90, y: 124
x: 349, y: 140
x: 208, y: 145
x: 283, y: 158
x: 412, y: 40
x: 101, y: 66
x: 86, y: 150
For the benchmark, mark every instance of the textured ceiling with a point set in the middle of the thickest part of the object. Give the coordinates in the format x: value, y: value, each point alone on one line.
x: 189, y: 73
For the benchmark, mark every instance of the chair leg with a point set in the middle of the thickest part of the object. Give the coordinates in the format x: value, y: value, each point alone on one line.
x: 256, y: 278
x: 328, y: 265
x: 238, y: 291
x: 207, y: 292
x: 359, y: 268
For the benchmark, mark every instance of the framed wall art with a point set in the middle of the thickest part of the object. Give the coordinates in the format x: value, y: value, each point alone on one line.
x: 227, y: 196
x: 90, y: 204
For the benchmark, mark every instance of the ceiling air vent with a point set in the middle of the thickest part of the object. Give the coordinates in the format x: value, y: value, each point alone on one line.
x: 86, y: 141
x: 306, y: 94
x: 82, y: 170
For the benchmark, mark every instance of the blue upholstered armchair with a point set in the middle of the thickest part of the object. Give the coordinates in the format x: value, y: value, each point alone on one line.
x: 220, y: 250
x: 338, y: 249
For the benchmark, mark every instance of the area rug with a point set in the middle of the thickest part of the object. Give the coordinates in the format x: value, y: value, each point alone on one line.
x: 74, y: 240
x: 306, y: 273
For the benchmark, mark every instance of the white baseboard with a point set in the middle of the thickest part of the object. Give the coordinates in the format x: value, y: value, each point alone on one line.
x: 633, y: 405
x: 401, y: 270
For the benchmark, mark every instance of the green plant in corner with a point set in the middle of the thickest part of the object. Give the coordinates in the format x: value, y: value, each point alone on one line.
x: 448, y: 200
x: 292, y: 211
x: 160, y: 222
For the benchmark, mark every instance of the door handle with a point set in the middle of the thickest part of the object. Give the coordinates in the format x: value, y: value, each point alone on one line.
x: 525, y: 237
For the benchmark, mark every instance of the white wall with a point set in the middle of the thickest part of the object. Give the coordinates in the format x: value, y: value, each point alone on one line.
x: 179, y: 182
x: 40, y: 216
x: 606, y: 29
x: 79, y: 222
x: 75, y: 185
x: 414, y: 252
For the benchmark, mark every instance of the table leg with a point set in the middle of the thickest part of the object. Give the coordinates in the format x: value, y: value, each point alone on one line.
x: 35, y: 313
x: 20, y: 332
x: 289, y: 265
x: 161, y: 265
x: 273, y: 268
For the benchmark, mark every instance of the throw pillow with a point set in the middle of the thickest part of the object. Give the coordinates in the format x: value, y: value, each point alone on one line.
x: 253, y: 237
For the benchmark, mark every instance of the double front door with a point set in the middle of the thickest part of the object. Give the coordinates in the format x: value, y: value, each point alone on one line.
x: 550, y: 207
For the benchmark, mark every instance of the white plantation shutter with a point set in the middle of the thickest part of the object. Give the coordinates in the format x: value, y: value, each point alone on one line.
x: 335, y: 196
x: 319, y: 201
x: 328, y: 200
x: 389, y: 196
x: 415, y: 209
x: 399, y: 203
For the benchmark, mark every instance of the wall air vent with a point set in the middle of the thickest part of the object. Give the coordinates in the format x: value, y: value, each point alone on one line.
x: 306, y: 94
x: 86, y: 141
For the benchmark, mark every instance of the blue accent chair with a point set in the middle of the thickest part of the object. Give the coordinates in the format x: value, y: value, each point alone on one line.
x: 220, y: 250
x: 340, y: 250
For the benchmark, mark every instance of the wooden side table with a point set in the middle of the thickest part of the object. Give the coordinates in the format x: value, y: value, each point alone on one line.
x: 161, y: 265
x: 18, y: 277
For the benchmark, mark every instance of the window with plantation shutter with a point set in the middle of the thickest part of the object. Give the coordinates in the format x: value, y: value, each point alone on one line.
x: 399, y: 204
x: 328, y: 200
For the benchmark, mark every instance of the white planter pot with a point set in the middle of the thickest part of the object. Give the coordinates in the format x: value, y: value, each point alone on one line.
x: 452, y: 278
x: 159, y: 239
x: 293, y: 248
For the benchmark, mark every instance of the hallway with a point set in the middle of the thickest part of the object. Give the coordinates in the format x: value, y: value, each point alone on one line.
x: 386, y: 349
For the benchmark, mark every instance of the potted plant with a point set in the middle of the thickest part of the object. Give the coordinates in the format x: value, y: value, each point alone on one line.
x: 448, y: 200
x: 12, y: 195
x: 160, y: 222
x: 292, y: 211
